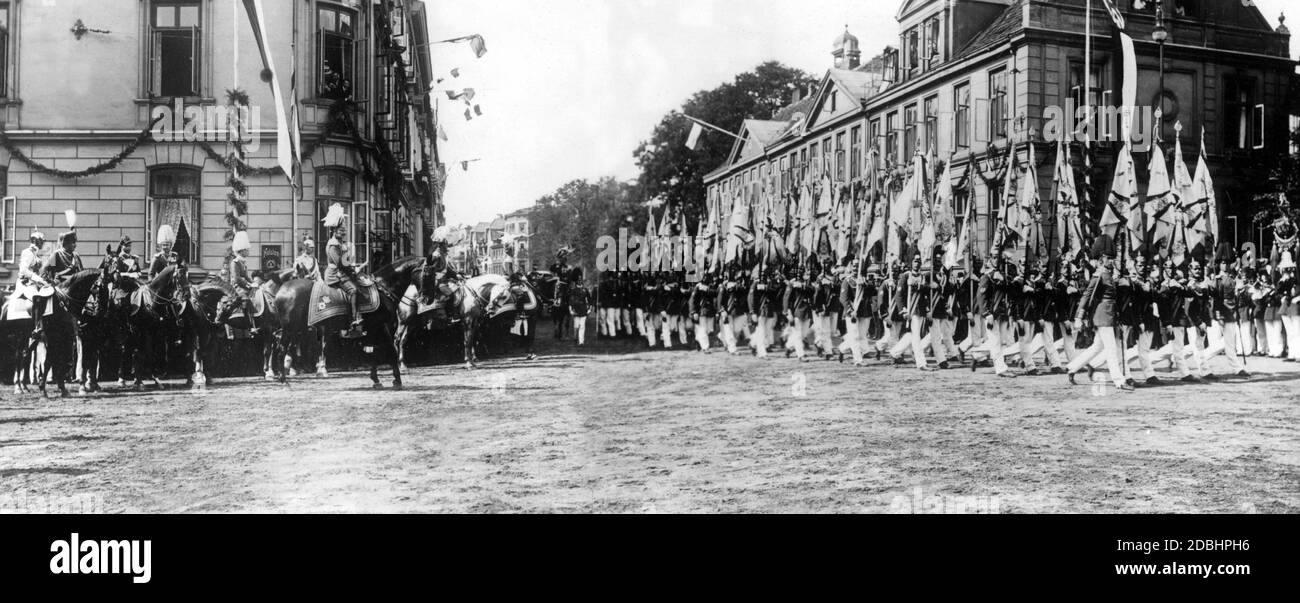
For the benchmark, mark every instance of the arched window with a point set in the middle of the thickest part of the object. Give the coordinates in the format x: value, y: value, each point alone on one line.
x: 339, y: 186
x: 174, y: 200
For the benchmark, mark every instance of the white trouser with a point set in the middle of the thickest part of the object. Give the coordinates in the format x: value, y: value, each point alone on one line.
x: 667, y: 325
x: 1292, y: 326
x: 580, y: 327
x: 1261, y: 336
x: 905, y: 342
x: 796, y: 334
x: 1104, y: 344
x: 1067, y: 344
x: 975, y: 336
x: 824, y: 332
x: 1027, y: 344
x: 763, y: 336
x: 858, y: 336
x: 684, y: 328
x: 918, y: 347
x: 1143, y: 352
x: 1180, y: 361
x: 1247, y: 330
x: 611, y: 321
x: 727, y: 331
x: 1275, y: 340
x: 892, y: 336
x: 651, y: 324
x: 626, y: 315
x: 943, y: 345
x: 703, y: 328
x: 998, y: 331
x: 1220, y: 338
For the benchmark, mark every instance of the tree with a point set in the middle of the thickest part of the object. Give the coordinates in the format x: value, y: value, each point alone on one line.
x: 676, y: 173
x: 576, y: 215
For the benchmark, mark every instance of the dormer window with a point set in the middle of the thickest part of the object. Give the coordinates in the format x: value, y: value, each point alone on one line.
x: 911, y: 42
x: 932, y: 40
x: 891, y: 65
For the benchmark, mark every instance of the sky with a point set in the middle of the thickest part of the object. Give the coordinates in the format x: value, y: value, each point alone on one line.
x: 569, y: 88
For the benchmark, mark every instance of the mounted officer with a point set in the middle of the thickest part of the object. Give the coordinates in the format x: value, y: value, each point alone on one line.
x: 305, y: 266
x: 241, y: 280
x: 341, y: 271
x: 31, y: 285
x: 438, y: 271
x: 165, y: 256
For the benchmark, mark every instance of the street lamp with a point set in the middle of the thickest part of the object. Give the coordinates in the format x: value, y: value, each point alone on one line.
x: 1160, y: 35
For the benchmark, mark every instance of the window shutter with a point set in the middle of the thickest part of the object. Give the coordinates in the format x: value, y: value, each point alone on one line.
x: 155, y: 64
x: 149, y: 230
x: 1257, y: 126
x: 8, y: 230
x: 983, y: 129
x: 195, y: 60
x: 360, y: 70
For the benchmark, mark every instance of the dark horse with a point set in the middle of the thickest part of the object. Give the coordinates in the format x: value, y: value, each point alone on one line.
x: 291, y: 309
x: 61, y: 336
x: 151, y: 317
x: 217, y: 300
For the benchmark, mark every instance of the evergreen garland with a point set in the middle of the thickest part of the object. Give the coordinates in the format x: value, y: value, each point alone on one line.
x: 235, y: 162
x: 108, y: 165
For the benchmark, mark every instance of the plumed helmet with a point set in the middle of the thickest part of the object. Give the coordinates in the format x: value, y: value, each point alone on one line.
x: 125, y: 240
x: 68, y: 237
x: 37, y: 236
x: 241, y: 242
x: 334, y: 217
x: 165, y: 235
x: 308, y: 243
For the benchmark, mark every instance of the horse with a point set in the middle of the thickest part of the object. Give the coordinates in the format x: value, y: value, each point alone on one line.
x: 293, y: 300
x: 61, y: 336
x: 217, y: 300
x: 477, y: 301
x: 151, y: 316
x: 15, y: 334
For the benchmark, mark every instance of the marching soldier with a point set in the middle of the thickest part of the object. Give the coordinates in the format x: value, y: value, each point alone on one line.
x: 826, y: 309
x: 305, y: 266
x: 943, y: 293
x: 798, y: 301
x: 1223, y: 293
x: 647, y: 290
x: 1173, y: 299
x: 997, y: 320
x: 1289, y: 292
x: 628, y: 290
x: 609, y: 297
x: 654, y: 302
x: 1148, y: 322
x: 857, y: 294
x: 1097, y: 309
x: 670, y: 310
x: 763, y: 302
x: 911, y: 304
x: 579, y: 299
x: 341, y: 272
x: 733, y: 309
x: 704, y: 297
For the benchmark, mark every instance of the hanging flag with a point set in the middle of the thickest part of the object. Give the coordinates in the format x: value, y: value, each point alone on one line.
x: 1029, y: 203
x: 468, y: 116
x: 1203, y: 191
x: 1159, y: 205
x: 693, y: 141
x: 477, y: 110
x: 1185, y: 202
x: 478, y: 45
x: 455, y: 72
x: 1069, y: 241
x: 283, y: 150
x: 945, y: 223
x: 295, y: 123
x: 464, y: 166
x: 1122, y: 190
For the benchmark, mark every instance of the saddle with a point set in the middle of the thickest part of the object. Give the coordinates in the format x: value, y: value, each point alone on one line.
x: 142, y: 298
x: 328, y: 302
x: 261, y: 301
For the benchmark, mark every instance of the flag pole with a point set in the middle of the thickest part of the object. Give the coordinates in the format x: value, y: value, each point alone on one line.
x: 713, y: 127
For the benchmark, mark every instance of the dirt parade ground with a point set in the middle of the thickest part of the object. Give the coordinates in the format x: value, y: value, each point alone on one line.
x: 612, y: 427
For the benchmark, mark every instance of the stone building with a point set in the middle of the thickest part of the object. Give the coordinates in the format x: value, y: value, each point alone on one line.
x: 74, y: 99
x: 968, y: 78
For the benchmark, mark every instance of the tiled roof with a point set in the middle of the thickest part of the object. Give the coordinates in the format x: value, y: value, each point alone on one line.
x: 765, y: 131
x: 1007, y: 24
x: 785, y: 113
